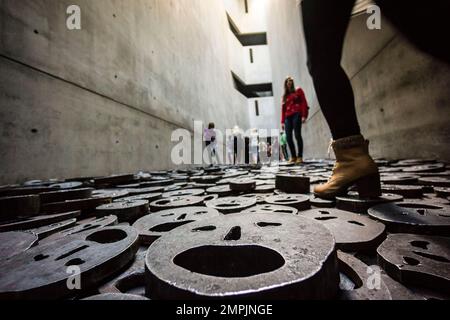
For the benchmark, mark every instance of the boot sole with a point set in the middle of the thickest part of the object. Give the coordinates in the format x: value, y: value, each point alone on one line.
x: 367, y: 187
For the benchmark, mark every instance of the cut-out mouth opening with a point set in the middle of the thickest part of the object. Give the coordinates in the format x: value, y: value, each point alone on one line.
x: 167, y: 227
x: 107, y: 236
x: 230, y: 261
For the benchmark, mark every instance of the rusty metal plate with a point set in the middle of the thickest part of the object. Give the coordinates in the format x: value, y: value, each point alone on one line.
x: 222, y: 190
x: 24, y: 191
x: 321, y: 203
x: 417, y: 260
x: 438, y: 167
x: 113, y: 194
x: 260, y: 197
x: 114, y: 180
x: 435, y: 182
x: 291, y: 183
x: 147, y: 197
x: 116, y: 297
x: 19, y: 206
x: 360, y: 274
x: 442, y: 192
x: 175, y: 202
x: 125, y: 211
x: 42, y: 272
x: 298, y: 201
x: 131, y: 280
x: 185, y: 192
x: 229, y: 205
x: 243, y: 185
x: 353, y: 203
x: 353, y: 232
x: 45, y: 231
x: 154, y: 225
x: 39, y: 221
x: 161, y: 182
x: 13, y: 243
x: 399, y: 179
x: 217, y: 260
x: 273, y: 209
x: 68, y: 185
x: 64, y: 195
x: 206, y: 179
x: 413, y: 218
x: 403, y: 190
x: 86, y: 206
x: 85, y: 226
x: 266, y: 188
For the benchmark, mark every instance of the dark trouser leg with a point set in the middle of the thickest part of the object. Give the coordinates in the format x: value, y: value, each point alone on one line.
x: 421, y: 23
x: 325, y: 24
x: 298, y: 133
x: 289, y: 127
x: 285, y: 152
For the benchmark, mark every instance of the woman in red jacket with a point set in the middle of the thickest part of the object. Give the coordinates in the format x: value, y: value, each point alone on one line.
x: 293, y: 114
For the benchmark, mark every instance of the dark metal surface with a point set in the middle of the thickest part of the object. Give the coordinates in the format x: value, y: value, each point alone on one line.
x: 39, y: 221
x: 298, y: 201
x: 154, y: 225
x: 353, y: 203
x: 42, y: 272
x: 353, y: 232
x: 217, y: 260
x: 417, y: 260
x: 19, y: 206
x: 273, y: 209
x: 291, y: 183
x: 175, y: 202
x: 230, y: 205
x: 125, y: 211
x: 413, y: 218
x: 13, y: 243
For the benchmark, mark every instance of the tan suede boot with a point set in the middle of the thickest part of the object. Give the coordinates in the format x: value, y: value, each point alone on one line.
x: 299, y: 161
x: 354, y: 166
x: 292, y: 161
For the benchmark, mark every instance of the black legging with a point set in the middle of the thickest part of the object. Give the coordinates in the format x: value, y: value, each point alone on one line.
x: 293, y: 124
x: 325, y: 23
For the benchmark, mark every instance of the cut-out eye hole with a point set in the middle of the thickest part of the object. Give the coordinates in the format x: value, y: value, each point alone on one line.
x: 207, y: 228
x: 234, y: 234
x: 68, y: 254
x: 40, y: 257
x: 182, y: 217
x: 325, y: 218
x: 411, y: 261
x: 357, y: 223
x: 268, y: 224
x: 75, y: 262
x: 420, y: 244
x: 421, y: 212
x: 200, y: 213
x: 324, y: 212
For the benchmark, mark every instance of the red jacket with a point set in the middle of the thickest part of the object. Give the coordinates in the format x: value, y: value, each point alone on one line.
x: 295, y: 103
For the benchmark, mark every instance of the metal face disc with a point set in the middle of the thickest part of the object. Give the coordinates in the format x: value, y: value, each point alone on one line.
x: 298, y: 201
x: 217, y: 258
x: 273, y: 209
x: 175, y: 202
x: 353, y: 203
x: 230, y: 205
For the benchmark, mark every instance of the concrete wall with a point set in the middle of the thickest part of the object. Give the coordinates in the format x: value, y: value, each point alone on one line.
x: 402, y: 95
x: 266, y: 117
x: 105, y: 99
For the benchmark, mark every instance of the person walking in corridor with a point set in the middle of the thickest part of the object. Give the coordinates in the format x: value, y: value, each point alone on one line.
x: 294, y: 113
x: 325, y: 25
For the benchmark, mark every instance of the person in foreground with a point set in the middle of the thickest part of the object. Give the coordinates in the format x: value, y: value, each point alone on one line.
x: 325, y: 25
